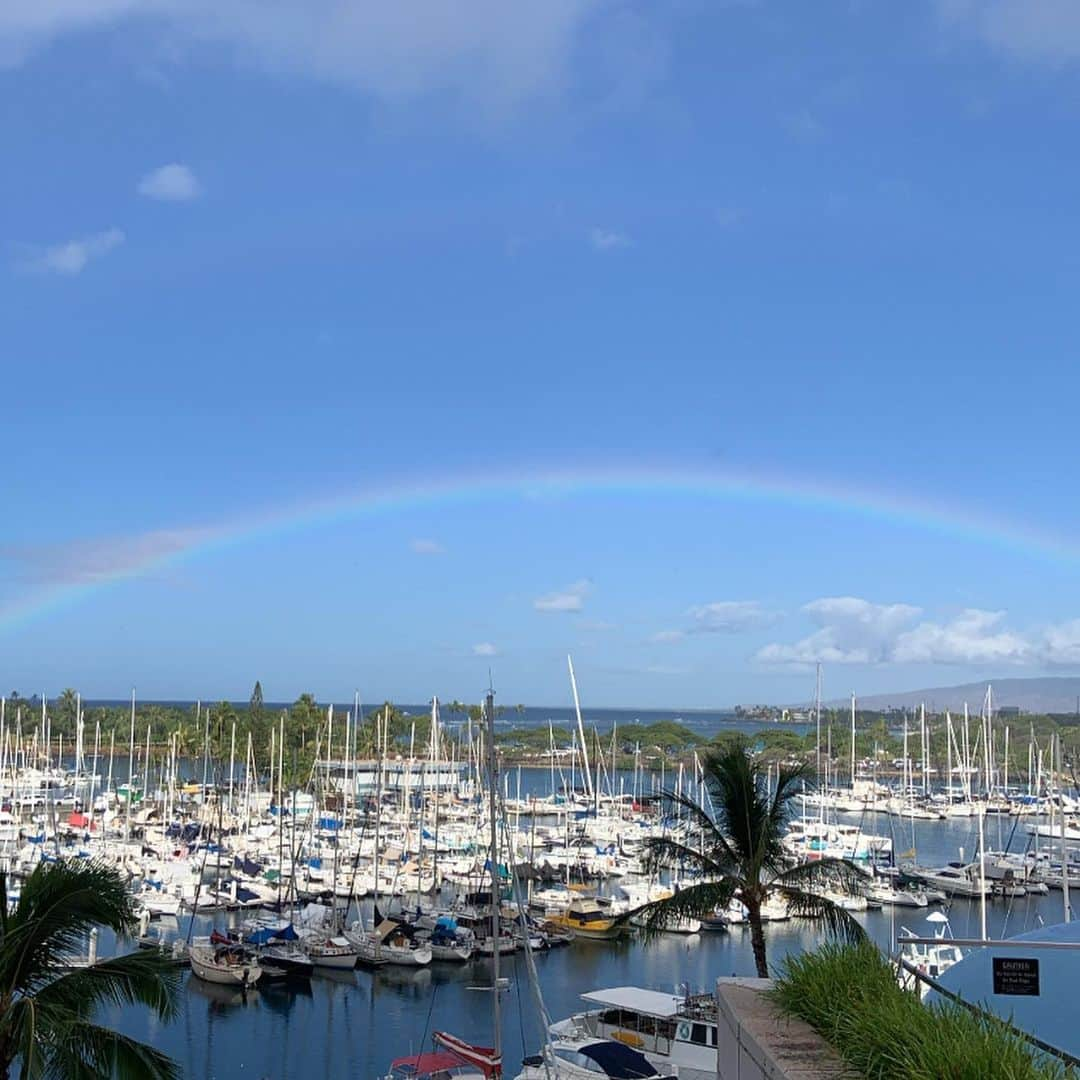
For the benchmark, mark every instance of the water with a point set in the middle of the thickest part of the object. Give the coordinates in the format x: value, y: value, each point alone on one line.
x: 353, y: 1024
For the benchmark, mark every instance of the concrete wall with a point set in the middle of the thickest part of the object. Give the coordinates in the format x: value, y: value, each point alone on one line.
x: 755, y: 1042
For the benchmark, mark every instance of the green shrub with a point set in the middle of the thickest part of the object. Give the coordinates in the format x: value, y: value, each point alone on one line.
x: 849, y: 994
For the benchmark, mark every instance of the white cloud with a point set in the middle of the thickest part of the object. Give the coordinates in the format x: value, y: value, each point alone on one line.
x: 852, y: 631
x: 485, y: 648
x: 570, y: 599
x: 71, y: 258
x: 973, y: 637
x: 421, y: 546
x: 1061, y: 644
x: 608, y: 239
x: 170, y: 183
x: 1032, y: 30
x: 729, y: 616
x: 491, y: 52
x: 856, y: 631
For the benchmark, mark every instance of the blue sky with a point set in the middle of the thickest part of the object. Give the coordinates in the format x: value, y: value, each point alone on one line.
x: 263, y: 258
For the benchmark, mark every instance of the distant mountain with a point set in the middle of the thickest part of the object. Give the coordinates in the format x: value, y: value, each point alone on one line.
x: 1049, y: 695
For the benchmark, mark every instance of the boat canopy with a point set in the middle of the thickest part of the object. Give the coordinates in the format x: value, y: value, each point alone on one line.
x: 272, y: 933
x: 635, y: 999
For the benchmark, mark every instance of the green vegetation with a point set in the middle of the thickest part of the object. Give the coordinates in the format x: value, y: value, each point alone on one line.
x: 47, y: 1010
x: 849, y: 994
x: 666, y: 741
x: 739, y: 850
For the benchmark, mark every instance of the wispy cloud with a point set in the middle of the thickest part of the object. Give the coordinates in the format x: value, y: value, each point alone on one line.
x: 421, y: 546
x: 803, y: 126
x: 71, y: 258
x: 484, y: 648
x: 1032, y: 30
x: 499, y: 55
x: 569, y: 599
x: 170, y: 183
x: 608, y: 239
x: 719, y: 617
x: 730, y: 616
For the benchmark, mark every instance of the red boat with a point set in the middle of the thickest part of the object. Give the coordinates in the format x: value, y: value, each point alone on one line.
x: 457, y: 1060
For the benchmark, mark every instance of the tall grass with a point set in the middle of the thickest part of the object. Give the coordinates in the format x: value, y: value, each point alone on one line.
x: 849, y: 994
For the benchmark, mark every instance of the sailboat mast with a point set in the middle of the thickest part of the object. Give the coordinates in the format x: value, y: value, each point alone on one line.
x: 853, y: 741
x: 581, y: 731
x: 817, y: 716
x: 493, y: 794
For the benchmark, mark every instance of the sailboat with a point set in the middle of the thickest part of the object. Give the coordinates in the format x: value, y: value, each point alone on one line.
x: 224, y: 963
x: 456, y: 1057
x: 391, y: 942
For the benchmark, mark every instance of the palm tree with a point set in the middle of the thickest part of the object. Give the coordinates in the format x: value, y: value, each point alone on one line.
x: 47, y: 1008
x: 734, y: 847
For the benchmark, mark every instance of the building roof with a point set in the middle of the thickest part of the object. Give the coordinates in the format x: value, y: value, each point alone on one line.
x: 635, y: 999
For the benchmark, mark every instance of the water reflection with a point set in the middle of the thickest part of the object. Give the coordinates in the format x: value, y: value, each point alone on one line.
x: 353, y: 1023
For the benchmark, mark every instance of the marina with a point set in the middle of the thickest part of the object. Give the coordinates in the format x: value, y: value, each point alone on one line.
x: 353, y: 918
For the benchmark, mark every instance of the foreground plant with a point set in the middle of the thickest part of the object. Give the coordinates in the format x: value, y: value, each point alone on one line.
x: 849, y: 994
x: 47, y: 1007
x: 737, y: 849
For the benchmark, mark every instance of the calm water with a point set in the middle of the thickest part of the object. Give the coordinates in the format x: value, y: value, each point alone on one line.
x: 352, y: 1025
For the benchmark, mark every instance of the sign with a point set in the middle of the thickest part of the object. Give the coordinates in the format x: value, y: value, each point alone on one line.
x: 1016, y: 975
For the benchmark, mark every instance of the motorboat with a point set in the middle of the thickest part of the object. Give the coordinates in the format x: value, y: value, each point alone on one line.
x: 956, y: 879
x: 587, y: 1059
x: 677, y: 1034
x: 587, y: 918
x: 930, y: 960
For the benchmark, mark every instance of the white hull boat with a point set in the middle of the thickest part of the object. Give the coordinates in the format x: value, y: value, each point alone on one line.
x: 224, y: 965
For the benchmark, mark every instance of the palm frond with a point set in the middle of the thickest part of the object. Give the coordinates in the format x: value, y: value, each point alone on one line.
x: 82, y: 1049
x: 712, y: 834
x: 663, y: 851
x: 786, y: 779
x: 838, y: 922
x: 143, y: 978
x: 736, y: 786
x: 824, y: 873
x: 693, y: 902
x: 58, y: 906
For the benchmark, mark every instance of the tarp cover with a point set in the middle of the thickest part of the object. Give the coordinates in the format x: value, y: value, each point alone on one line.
x: 618, y: 1061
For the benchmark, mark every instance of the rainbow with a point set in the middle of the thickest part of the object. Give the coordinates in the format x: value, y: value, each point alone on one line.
x: 157, y: 549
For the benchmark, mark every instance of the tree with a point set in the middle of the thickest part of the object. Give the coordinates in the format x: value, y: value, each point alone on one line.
x: 67, y: 709
x: 304, y: 716
x: 47, y: 1008
x: 736, y: 848
x: 255, y: 706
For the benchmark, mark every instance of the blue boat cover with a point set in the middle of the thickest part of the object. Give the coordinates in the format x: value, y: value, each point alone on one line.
x: 618, y: 1061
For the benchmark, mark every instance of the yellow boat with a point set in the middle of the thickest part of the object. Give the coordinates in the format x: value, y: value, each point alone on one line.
x: 587, y: 918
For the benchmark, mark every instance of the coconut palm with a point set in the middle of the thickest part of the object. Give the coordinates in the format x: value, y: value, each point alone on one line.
x: 47, y: 1008
x: 734, y: 847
